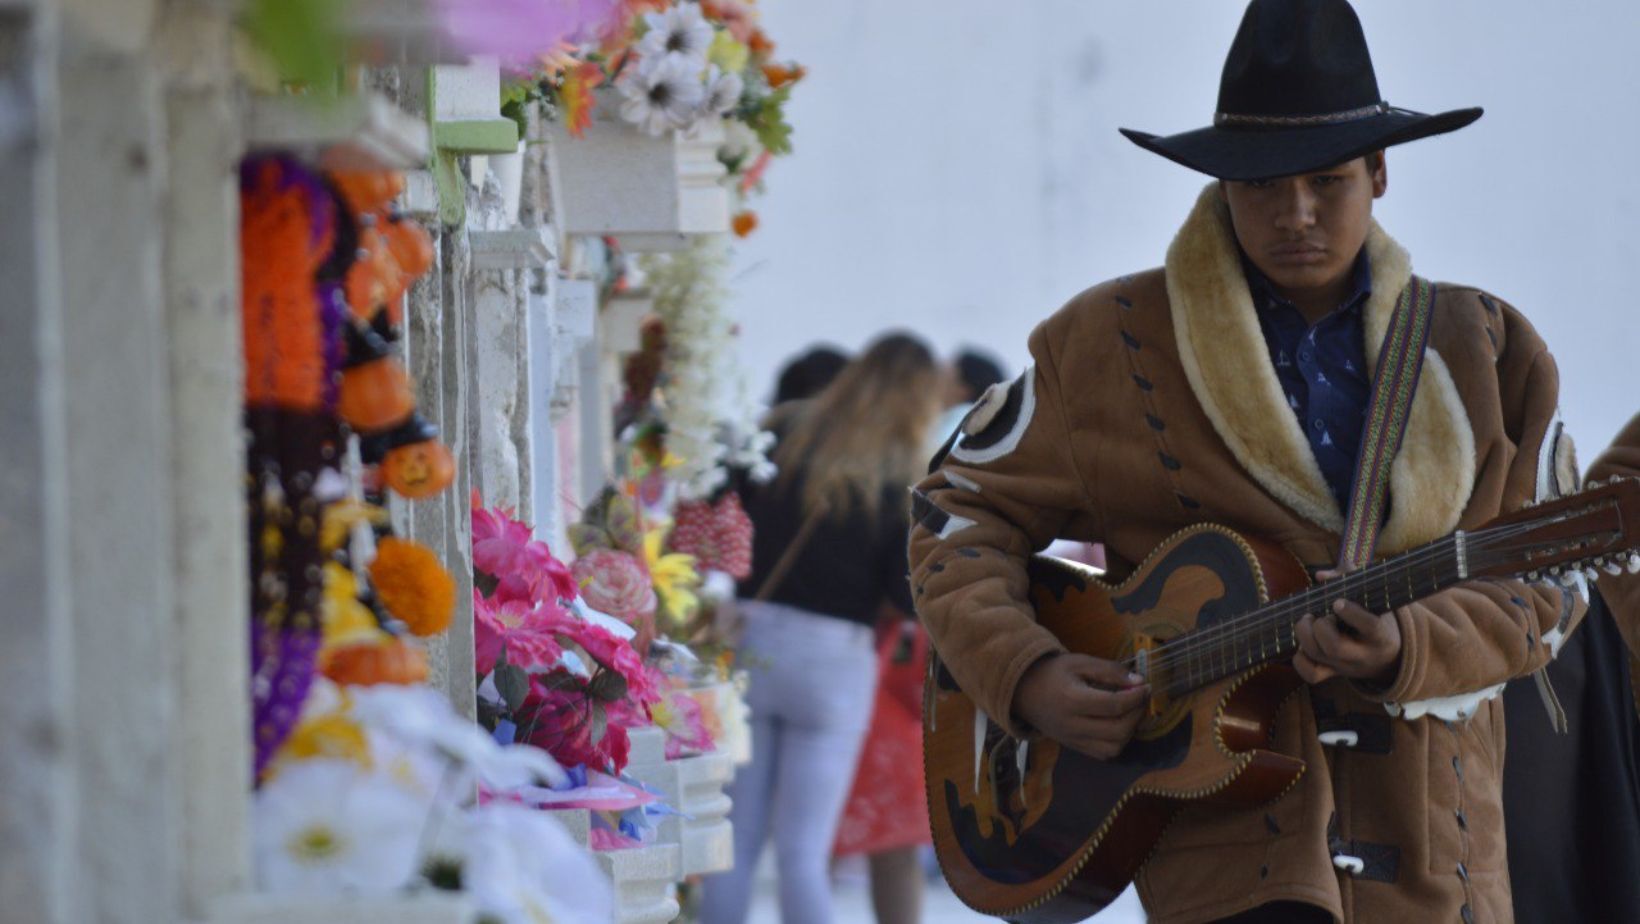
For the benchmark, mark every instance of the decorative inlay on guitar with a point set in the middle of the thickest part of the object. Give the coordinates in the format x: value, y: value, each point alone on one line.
x: 1044, y: 833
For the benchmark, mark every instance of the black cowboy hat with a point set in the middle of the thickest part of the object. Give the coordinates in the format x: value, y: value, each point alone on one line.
x: 1298, y: 94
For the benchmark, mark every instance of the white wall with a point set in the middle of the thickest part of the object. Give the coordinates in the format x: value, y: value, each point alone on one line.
x: 958, y: 170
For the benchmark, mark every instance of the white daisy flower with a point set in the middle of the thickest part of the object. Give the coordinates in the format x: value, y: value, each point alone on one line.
x: 322, y: 827
x: 520, y: 866
x: 661, y: 93
x: 681, y: 30
x: 722, y: 91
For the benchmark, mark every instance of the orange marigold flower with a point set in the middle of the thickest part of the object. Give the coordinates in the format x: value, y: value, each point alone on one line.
x: 413, y: 585
x: 760, y: 44
x: 744, y: 222
x: 575, y: 96
x: 778, y: 75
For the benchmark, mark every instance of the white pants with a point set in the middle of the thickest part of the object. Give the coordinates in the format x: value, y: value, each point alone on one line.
x: 813, y: 679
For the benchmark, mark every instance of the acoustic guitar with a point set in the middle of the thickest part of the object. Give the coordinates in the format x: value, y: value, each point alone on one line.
x: 1041, y: 833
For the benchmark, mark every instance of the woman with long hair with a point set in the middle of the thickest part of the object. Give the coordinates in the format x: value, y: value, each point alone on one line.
x: 828, y: 555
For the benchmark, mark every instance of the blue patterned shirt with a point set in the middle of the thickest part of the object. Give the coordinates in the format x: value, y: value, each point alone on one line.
x: 1322, y: 370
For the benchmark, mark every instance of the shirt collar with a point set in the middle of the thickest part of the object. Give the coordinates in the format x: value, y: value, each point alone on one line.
x: 1264, y: 291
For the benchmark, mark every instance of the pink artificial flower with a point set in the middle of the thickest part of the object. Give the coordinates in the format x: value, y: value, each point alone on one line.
x: 643, y: 683
x: 523, y: 566
x: 679, y: 715
x: 560, y: 722
x: 616, y: 583
x: 519, y: 30
x: 529, y: 633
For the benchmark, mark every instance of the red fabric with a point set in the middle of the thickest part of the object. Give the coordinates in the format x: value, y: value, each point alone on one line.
x: 887, y: 807
x: 718, y: 535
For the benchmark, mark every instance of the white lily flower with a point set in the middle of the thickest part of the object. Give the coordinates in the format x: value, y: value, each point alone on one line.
x: 662, y: 93
x: 323, y: 827
x: 421, y: 717
x: 680, y: 31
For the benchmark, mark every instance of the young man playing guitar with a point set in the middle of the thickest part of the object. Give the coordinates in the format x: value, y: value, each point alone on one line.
x: 1234, y: 386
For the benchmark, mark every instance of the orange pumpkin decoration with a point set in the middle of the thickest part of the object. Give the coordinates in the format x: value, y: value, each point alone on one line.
x: 367, y: 192
x: 369, y: 663
x: 418, y: 470
x: 375, y: 395
x: 412, y: 247
x: 374, y: 280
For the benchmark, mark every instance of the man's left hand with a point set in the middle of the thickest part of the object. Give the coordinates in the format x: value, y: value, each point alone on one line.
x: 1350, y: 641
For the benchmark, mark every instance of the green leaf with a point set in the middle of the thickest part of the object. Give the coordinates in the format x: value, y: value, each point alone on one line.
x: 300, y: 37
x: 608, y: 686
x: 600, y: 723
x: 513, y: 684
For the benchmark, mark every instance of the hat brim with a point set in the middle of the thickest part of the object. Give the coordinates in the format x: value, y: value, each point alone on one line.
x: 1264, y: 153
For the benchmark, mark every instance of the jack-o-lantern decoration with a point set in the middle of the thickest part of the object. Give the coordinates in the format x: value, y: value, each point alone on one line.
x: 418, y: 470
x: 374, y: 281
x: 375, y: 395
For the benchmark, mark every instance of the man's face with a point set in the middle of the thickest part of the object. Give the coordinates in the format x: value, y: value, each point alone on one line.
x: 1303, y: 232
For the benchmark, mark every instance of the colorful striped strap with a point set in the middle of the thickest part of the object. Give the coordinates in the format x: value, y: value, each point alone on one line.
x: 1393, y: 385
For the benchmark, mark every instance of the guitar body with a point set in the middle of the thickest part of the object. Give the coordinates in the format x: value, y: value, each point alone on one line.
x: 1046, y: 834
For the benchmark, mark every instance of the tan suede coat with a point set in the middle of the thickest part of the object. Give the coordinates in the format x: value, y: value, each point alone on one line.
x: 1153, y: 405
x: 1622, y: 592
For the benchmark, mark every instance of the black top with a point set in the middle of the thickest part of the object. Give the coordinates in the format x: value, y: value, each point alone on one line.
x: 849, y: 564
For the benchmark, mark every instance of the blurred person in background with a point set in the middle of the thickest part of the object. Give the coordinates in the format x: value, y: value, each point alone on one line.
x: 805, y: 375
x: 886, y: 816
x: 1571, y: 785
x: 828, y: 557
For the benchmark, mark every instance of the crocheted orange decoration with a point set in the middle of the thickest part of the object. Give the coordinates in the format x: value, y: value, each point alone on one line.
x: 370, y: 663
x: 413, y: 585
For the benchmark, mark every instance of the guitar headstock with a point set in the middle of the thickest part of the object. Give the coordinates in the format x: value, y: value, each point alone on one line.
x: 1595, y: 529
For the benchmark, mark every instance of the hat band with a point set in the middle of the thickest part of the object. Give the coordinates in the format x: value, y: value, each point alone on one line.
x: 1221, y: 119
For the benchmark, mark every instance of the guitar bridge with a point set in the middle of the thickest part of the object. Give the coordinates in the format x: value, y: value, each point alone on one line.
x: 1142, y: 646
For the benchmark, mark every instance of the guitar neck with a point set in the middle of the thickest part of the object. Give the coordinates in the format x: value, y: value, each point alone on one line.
x: 1221, y: 650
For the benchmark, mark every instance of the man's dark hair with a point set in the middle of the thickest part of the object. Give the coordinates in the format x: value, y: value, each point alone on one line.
x: 978, y: 371
x: 805, y: 375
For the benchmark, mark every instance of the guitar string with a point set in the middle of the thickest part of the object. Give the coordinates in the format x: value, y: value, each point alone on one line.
x: 1275, y: 613
x: 1305, y: 599
x: 1486, y: 557
x: 1208, y: 647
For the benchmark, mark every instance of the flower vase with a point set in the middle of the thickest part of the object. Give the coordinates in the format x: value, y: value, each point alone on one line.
x: 509, y: 175
x: 648, y: 191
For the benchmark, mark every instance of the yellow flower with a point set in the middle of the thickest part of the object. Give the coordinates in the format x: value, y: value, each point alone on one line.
x: 332, y: 735
x: 342, y: 516
x: 673, y: 575
x: 345, y: 619
x: 728, y: 52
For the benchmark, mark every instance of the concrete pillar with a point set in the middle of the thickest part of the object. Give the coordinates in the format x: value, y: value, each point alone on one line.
x: 110, y: 184
x: 37, y: 779
x: 202, y: 316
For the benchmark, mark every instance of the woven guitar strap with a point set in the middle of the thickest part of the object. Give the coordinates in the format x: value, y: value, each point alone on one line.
x: 1393, y: 385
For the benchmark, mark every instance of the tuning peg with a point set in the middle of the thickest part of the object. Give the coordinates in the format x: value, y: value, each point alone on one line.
x: 1554, y: 571
x: 1592, y: 573
x: 1534, y: 576
x: 1634, y: 564
x: 1611, y: 567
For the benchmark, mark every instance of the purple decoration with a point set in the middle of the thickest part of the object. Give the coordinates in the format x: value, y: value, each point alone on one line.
x: 286, y: 451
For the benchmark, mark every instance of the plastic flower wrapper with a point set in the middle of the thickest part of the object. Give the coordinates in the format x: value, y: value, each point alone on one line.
x: 324, y: 827
x: 421, y: 718
x: 521, y: 867
x: 518, y: 30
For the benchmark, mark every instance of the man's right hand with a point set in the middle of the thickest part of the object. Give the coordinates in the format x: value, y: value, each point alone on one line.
x: 1083, y: 702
